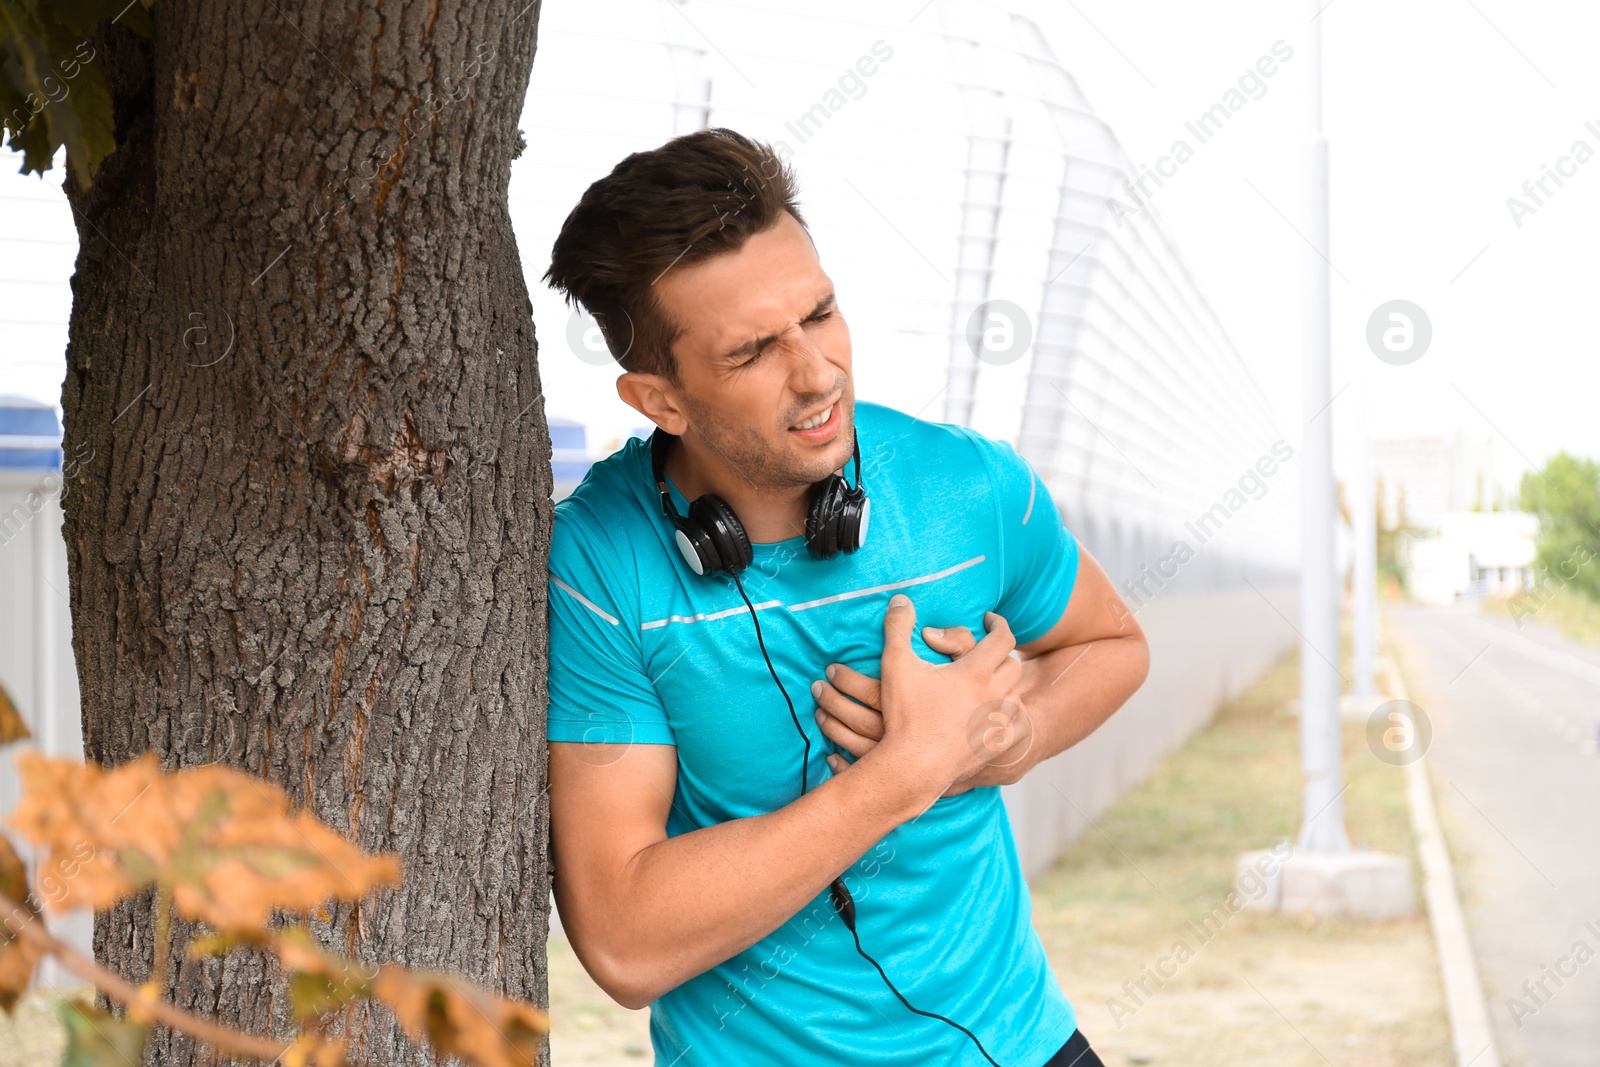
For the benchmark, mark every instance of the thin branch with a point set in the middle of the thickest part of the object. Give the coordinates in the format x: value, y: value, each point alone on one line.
x: 222, y: 1038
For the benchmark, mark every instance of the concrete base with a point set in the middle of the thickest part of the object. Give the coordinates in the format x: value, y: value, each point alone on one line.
x: 1257, y: 878
x: 1369, y: 886
x: 1372, y: 886
x: 1354, y: 707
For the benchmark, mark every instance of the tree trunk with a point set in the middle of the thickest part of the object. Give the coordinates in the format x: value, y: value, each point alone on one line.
x: 311, y: 533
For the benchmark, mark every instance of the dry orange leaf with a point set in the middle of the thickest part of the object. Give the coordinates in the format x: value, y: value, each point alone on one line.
x: 462, y: 1019
x: 300, y: 954
x: 13, y: 873
x: 62, y: 812
x: 12, y: 728
x: 229, y: 844
x: 309, y: 1050
x: 17, y: 957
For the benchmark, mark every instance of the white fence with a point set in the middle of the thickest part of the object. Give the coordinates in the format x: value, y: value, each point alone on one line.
x: 1206, y: 646
x: 36, y: 664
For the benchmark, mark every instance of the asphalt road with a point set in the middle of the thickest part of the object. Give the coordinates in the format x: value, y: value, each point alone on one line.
x: 1516, y: 715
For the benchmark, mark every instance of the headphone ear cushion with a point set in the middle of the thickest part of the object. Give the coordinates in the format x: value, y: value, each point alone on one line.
x: 695, y: 548
x: 823, y: 526
x: 725, y: 533
x: 853, y: 519
x: 860, y: 511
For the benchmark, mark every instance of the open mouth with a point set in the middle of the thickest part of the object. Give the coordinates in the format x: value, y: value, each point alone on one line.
x: 822, y: 427
x: 817, y: 421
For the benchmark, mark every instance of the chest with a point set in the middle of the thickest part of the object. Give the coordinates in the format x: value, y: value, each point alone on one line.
x: 739, y: 753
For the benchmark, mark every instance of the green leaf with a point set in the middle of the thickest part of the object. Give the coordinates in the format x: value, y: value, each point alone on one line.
x: 95, y: 1039
x: 52, y: 90
x: 214, y: 944
x: 311, y: 996
x: 82, y: 17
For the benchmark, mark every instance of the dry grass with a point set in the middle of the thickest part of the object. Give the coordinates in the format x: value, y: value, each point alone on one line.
x: 32, y: 1036
x: 1567, y: 609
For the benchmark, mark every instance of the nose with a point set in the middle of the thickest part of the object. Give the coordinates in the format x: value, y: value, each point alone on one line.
x: 811, y: 372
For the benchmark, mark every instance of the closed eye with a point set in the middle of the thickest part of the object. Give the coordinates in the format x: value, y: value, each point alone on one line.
x: 818, y: 317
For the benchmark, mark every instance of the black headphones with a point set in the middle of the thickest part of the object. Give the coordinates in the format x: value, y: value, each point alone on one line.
x: 712, y: 539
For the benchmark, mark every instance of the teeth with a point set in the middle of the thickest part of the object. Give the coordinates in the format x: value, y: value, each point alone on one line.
x: 816, y: 420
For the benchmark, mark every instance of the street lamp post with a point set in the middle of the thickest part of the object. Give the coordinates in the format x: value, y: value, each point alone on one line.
x: 1321, y: 741
x: 1323, y: 873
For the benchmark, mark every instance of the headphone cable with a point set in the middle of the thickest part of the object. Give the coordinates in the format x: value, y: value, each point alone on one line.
x: 843, y: 902
x: 804, y: 738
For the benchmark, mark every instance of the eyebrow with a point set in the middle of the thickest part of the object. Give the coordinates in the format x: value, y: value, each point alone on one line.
x: 751, y: 347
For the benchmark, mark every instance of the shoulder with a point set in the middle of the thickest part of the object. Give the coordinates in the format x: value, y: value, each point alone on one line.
x: 944, y: 450
x: 887, y: 433
x: 609, y: 491
x: 596, y: 524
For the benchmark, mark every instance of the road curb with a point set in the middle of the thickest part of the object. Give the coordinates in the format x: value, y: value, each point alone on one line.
x: 1470, y: 1029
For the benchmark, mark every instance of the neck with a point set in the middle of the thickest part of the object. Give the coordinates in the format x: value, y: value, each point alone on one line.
x: 767, y: 514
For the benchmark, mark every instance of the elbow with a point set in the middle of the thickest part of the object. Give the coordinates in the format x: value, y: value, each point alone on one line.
x: 1141, y: 663
x: 624, y: 986
x: 625, y: 979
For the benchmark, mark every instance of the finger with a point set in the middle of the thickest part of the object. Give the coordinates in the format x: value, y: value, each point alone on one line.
x: 953, y: 641
x: 865, y: 721
x: 837, y: 763
x: 898, y: 620
x: 843, y: 736
x: 855, y: 684
x: 996, y: 644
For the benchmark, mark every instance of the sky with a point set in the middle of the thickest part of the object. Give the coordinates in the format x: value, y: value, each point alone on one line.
x: 1436, y: 113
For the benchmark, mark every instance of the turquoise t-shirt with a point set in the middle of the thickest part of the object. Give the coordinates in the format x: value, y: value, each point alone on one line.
x: 644, y: 651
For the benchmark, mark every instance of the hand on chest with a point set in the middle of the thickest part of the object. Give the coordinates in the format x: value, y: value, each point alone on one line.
x: 738, y: 751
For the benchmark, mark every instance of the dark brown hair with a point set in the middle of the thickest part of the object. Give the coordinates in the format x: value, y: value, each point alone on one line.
x: 696, y: 196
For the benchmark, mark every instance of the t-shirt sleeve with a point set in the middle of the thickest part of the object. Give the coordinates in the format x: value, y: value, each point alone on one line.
x: 600, y: 692
x: 1038, y: 554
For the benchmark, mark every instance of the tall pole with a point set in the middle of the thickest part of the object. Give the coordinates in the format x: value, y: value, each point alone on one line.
x: 1322, y: 829
x: 1364, y: 545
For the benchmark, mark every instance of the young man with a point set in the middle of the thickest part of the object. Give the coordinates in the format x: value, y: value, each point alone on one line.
x: 701, y: 808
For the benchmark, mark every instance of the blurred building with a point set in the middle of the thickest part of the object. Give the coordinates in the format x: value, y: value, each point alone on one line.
x: 1473, y: 554
x: 569, y: 455
x: 1420, y: 479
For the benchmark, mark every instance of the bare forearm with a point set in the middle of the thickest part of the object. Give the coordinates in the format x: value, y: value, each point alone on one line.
x: 1070, y: 692
x: 689, y: 902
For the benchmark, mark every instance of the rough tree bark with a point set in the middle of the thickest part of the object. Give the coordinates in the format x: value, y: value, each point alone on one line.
x: 311, y: 536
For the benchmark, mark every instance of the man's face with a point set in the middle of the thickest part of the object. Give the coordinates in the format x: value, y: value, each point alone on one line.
x: 764, y: 352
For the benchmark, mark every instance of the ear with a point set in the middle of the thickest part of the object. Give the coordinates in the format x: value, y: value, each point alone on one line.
x: 655, y: 398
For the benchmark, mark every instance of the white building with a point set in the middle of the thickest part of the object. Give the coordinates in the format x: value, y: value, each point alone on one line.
x: 1421, y: 479
x: 1475, y: 553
